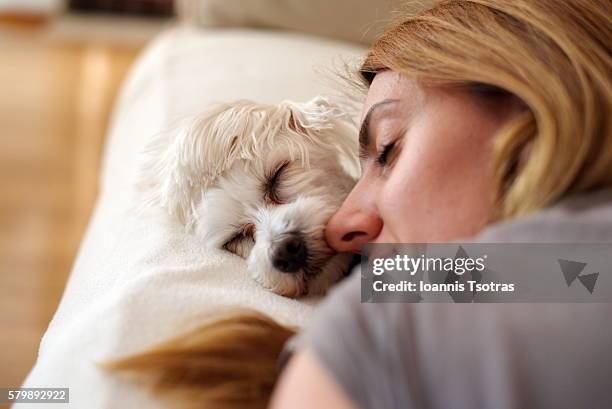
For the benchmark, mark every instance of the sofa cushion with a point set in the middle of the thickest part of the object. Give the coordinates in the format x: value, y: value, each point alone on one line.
x: 352, y: 20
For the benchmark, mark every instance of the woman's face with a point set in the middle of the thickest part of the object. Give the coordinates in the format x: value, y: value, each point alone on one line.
x: 426, y: 164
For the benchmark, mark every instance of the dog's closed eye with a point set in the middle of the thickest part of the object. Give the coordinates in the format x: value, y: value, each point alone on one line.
x: 241, y: 240
x: 272, y: 182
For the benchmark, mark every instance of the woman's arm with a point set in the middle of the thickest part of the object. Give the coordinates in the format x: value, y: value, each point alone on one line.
x: 306, y: 384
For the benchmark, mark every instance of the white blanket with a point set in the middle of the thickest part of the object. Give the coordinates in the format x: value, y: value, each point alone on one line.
x: 137, y: 281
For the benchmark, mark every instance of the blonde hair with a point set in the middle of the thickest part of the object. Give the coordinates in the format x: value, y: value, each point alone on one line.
x: 230, y: 362
x: 553, y: 55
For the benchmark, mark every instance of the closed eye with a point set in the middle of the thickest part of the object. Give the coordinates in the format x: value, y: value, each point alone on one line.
x: 271, y: 185
x: 383, y: 157
x: 233, y: 244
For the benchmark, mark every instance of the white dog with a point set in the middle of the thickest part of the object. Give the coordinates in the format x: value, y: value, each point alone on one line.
x: 261, y: 181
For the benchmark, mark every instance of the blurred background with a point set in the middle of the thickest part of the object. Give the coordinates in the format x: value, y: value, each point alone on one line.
x: 61, y: 64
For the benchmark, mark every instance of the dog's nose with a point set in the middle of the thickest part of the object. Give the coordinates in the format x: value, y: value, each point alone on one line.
x: 290, y: 254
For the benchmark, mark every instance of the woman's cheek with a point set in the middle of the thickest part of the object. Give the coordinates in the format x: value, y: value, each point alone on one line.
x: 417, y: 203
x: 395, y: 205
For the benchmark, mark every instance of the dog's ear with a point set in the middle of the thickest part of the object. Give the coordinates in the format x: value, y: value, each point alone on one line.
x: 331, y: 121
x: 294, y: 125
x: 179, y: 166
x: 320, y: 113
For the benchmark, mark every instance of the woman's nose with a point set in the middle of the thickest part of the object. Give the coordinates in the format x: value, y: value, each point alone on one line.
x: 351, y: 226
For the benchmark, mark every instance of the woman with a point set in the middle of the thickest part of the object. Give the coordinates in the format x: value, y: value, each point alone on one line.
x: 478, y: 112
x: 484, y: 119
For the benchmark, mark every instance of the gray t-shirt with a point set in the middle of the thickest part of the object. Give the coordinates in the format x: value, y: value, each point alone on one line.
x: 470, y: 356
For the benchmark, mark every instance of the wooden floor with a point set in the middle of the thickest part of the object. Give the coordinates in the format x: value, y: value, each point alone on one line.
x: 55, y: 98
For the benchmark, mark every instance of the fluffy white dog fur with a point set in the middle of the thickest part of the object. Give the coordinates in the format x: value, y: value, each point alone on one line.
x: 261, y: 181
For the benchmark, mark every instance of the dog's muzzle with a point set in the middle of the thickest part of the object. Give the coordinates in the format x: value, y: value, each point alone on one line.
x: 290, y: 254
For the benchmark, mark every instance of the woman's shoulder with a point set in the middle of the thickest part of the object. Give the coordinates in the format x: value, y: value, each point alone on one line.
x: 583, y: 218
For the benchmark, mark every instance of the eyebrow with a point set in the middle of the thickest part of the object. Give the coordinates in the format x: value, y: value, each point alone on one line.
x: 364, y: 131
